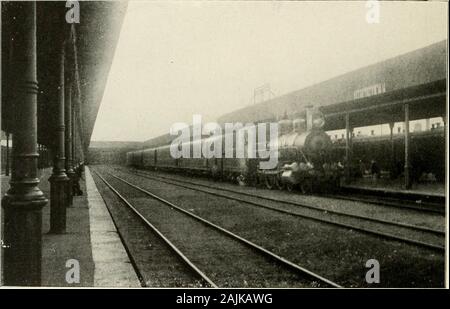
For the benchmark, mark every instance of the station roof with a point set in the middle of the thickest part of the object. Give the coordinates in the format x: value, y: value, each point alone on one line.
x: 373, y: 94
x: 93, y: 40
x: 418, y: 77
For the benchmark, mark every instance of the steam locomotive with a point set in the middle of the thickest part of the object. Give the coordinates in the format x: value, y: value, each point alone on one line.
x: 302, y: 147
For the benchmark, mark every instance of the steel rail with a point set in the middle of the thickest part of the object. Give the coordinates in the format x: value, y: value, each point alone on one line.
x: 389, y: 202
x: 349, y: 226
x: 156, y: 231
x: 397, y: 224
x: 250, y: 244
x: 400, y: 224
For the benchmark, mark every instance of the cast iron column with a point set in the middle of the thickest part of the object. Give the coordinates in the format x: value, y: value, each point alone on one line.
x: 24, y: 200
x: 76, y: 179
x: 407, y: 154
x: 74, y: 140
x: 392, y: 150
x: 348, y: 156
x: 45, y: 157
x: 68, y: 140
x: 7, y: 155
x: 39, y: 150
x: 59, y: 179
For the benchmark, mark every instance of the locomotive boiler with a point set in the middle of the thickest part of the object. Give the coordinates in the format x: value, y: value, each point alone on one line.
x: 303, y: 156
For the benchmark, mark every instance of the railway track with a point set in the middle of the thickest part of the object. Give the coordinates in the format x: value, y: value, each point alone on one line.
x: 193, y: 270
x: 437, y: 235
x: 424, y: 207
x: 313, y: 279
x: 420, y: 206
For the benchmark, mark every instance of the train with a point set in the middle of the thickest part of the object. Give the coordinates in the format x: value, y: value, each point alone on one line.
x: 303, y: 150
x: 427, y: 155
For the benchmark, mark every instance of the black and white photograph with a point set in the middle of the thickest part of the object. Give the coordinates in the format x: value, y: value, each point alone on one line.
x: 245, y: 146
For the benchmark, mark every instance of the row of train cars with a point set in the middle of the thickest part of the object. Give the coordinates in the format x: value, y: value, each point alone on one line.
x: 307, y: 159
x: 303, y: 160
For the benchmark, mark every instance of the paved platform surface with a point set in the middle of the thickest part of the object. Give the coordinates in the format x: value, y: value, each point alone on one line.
x: 90, y: 242
x: 397, y: 185
x: 75, y: 244
x: 112, y: 264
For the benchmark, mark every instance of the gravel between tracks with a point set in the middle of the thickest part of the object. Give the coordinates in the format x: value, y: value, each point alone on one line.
x: 431, y: 220
x: 336, y: 253
x: 157, y: 265
x: 225, y: 261
x: 319, y: 213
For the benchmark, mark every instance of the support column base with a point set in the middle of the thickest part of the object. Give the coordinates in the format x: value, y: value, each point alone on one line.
x: 408, y: 181
x: 22, y: 244
x: 58, y: 203
x: 71, y: 175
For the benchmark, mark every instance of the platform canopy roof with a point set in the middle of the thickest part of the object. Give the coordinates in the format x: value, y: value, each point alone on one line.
x: 93, y: 41
x: 372, y: 95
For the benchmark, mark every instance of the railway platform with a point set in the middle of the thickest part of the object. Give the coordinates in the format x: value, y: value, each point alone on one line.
x: 395, y: 188
x: 90, y: 244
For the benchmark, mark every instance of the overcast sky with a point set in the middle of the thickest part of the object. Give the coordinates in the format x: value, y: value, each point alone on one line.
x: 175, y: 59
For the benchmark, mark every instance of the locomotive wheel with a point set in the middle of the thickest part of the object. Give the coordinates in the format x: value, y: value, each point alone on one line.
x: 269, y: 182
x: 306, y: 187
x: 290, y: 187
x: 279, y: 184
